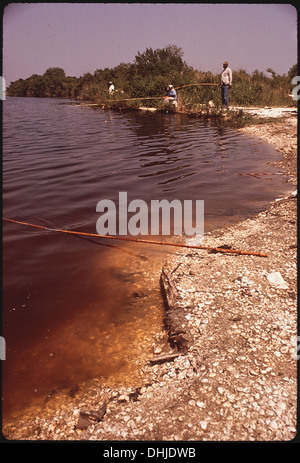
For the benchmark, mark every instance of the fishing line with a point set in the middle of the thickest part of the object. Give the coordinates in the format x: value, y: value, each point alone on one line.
x: 139, y: 240
x: 154, y: 97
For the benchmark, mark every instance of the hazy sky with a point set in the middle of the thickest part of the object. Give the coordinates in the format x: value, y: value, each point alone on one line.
x: 83, y: 37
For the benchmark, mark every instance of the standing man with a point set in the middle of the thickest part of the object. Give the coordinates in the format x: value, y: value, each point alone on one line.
x: 226, y: 83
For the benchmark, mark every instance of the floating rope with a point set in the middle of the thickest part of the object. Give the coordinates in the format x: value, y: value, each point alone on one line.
x: 138, y: 240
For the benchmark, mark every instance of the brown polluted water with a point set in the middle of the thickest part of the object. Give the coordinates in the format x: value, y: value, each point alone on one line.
x: 78, y: 308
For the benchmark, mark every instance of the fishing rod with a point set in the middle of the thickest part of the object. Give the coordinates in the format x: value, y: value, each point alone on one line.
x: 200, y: 84
x: 159, y: 97
x: 138, y: 98
x: 139, y: 240
x: 124, y: 99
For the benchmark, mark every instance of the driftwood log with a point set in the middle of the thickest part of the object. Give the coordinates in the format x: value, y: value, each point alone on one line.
x: 164, y: 358
x: 86, y: 418
x: 174, y: 319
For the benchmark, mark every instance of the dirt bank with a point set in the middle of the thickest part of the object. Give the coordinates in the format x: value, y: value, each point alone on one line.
x: 234, y: 376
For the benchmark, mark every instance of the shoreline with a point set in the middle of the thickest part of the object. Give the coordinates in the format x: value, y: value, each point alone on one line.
x: 234, y: 116
x: 235, y: 377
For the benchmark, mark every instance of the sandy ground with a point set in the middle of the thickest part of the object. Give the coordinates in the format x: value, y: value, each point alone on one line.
x: 225, y: 367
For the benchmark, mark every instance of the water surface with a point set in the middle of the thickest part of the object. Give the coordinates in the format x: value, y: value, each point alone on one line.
x: 76, y: 308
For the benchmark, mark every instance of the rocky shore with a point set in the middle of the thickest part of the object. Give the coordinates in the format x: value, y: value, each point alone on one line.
x: 224, y: 367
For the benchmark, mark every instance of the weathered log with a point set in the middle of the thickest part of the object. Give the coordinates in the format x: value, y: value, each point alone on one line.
x: 87, y: 418
x: 174, y: 318
x: 165, y: 358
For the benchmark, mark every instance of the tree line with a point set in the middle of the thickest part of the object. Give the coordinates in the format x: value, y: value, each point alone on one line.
x: 149, y: 75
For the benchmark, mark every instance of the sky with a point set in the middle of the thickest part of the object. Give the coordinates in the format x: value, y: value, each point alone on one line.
x: 84, y: 37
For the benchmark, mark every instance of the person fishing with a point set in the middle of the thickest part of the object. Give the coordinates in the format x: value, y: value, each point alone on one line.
x: 172, y: 96
x: 226, y: 84
x: 111, y: 87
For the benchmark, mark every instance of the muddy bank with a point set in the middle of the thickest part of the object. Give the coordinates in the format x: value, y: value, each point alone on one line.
x: 232, y: 376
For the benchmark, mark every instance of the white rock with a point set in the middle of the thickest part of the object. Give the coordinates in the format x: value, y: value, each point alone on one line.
x: 200, y: 404
x: 275, y: 279
x: 273, y: 425
x: 203, y: 425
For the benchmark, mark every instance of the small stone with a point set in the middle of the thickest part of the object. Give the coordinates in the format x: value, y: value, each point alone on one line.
x: 273, y: 425
x: 280, y: 407
x: 284, y: 349
x: 203, y: 425
x: 200, y: 404
x: 220, y: 390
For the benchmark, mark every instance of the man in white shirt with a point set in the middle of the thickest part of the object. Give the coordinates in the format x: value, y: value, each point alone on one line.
x: 226, y: 83
x: 111, y: 88
x: 172, y: 96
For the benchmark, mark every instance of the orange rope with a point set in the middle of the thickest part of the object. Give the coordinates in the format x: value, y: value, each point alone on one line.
x: 138, y: 240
